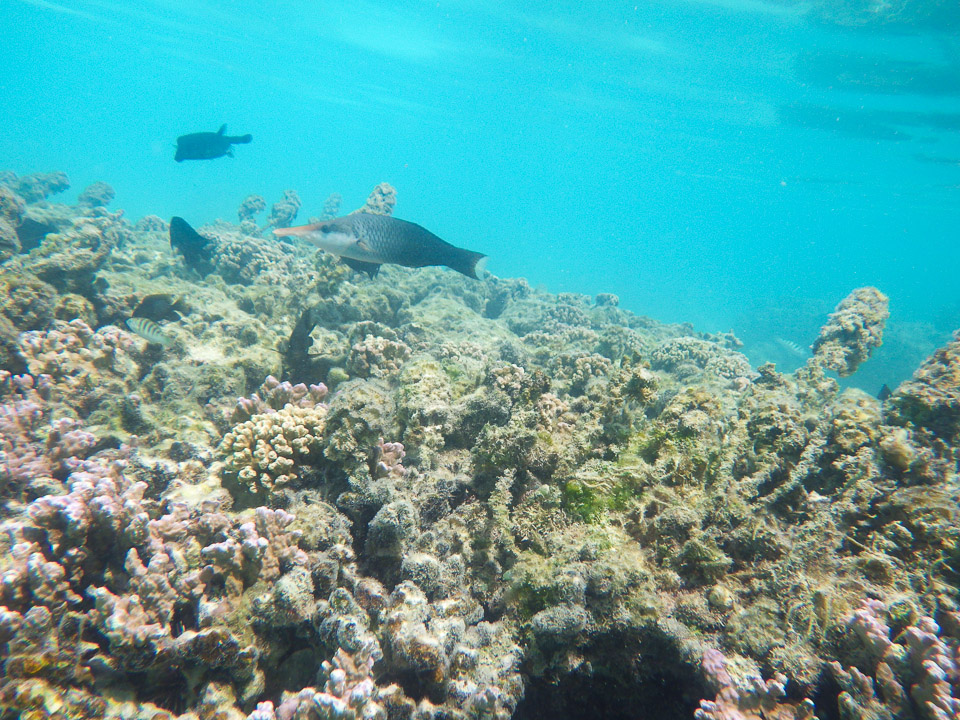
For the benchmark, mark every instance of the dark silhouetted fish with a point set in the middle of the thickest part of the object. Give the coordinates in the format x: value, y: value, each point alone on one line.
x: 296, y: 357
x: 197, y: 250
x: 160, y: 306
x: 208, y: 145
x: 365, y: 242
x: 884, y: 393
x: 298, y: 363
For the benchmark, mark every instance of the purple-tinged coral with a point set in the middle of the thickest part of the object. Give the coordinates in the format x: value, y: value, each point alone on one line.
x: 100, y: 500
x: 387, y: 460
x: 751, y: 698
x: 376, y: 357
x: 85, y: 367
x: 348, y: 693
x: 28, y: 578
x: 32, y: 446
x: 936, y: 663
x: 917, y: 674
x: 262, y: 549
x: 274, y: 395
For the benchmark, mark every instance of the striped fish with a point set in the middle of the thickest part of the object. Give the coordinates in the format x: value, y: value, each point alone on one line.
x: 148, y: 330
x: 791, y: 346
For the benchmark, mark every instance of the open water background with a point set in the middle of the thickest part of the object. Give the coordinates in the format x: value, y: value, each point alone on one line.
x: 737, y: 164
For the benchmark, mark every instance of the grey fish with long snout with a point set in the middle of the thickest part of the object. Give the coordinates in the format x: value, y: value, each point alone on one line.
x: 365, y: 242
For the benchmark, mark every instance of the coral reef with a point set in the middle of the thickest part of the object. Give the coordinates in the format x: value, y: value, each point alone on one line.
x: 930, y: 401
x: 331, y: 206
x: 264, y: 453
x: 285, y: 210
x: 854, y: 330
x: 36, y: 187
x: 418, y: 497
x: 916, y: 676
x: 97, y: 195
x: 750, y: 699
x: 381, y: 200
x: 11, y: 212
x: 251, y: 206
x: 36, y: 449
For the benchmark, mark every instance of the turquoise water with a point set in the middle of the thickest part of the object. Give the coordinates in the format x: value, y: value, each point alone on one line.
x: 732, y: 163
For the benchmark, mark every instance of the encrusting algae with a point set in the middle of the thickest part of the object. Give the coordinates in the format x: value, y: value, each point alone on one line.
x: 464, y: 499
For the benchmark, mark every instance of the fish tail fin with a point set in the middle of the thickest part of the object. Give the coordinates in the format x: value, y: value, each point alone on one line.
x: 298, y: 231
x: 469, y: 263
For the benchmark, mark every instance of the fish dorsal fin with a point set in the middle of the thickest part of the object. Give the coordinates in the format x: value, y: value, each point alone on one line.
x: 222, y: 130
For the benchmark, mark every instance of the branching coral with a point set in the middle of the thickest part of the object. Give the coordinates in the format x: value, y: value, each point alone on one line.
x: 274, y: 395
x: 751, y: 699
x: 251, y: 206
x: 265, y: 453
x: 376, y: 357
x: 34, y: 447
x: 917, y: 674
x: 83, y: 369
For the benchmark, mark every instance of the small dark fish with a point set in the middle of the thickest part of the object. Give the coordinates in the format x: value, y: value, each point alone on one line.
x: 208, y: 145
x: 297, y: 356
x: 148, y: 330
x: 161, y: 306
x: 884, y: 393
x: 197, y: 250
x: 365, y: 242
x: 298, y: 363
